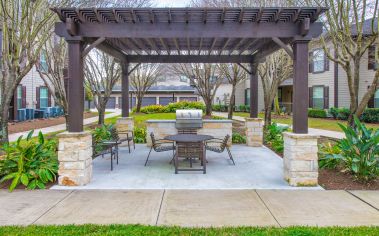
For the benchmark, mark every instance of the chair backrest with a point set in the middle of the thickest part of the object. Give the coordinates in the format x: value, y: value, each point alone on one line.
x: 114, y: 134
x: 187, y: 131
x: 153, y: 140
x: 224, y: 142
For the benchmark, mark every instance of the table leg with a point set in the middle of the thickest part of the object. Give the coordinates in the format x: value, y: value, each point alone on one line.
x: 204, y: 159
x: 176, y: 159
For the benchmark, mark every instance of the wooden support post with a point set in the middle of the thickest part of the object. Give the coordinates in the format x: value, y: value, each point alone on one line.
x: 75, y: 86
x: 300, y: 87
x: 254, y: 90
x: 125, y: 90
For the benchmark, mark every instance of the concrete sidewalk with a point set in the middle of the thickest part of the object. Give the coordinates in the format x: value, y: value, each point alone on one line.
x: 197, y: 208
x: 56, y: 128
x: 319, y: 132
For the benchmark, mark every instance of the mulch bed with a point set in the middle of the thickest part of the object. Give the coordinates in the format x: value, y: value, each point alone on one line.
x: 6, y: 184
x: 41, y: 123
x: 336, y: 180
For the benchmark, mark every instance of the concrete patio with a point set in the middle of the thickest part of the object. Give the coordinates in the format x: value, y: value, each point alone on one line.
x: 256, y: 168
x: 195, y: 208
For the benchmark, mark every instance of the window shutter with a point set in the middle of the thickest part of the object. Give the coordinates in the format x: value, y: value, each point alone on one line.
x: 310, y: 97
x: 23, y: 96
x: 310, y: 62
x: 326, y: 61
x: 326, y: 97
x: 371, y: 102
x: 371, y: 58
x: 48, y: 98
x: 37, y: 97
x: 15, y: 101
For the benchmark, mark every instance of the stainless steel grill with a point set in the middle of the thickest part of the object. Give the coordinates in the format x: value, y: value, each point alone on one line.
x: 189, y: 119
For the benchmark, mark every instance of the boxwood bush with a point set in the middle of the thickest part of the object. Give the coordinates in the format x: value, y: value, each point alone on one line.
x: 171, y: 107
x: 317, y: 113
x: 370, y: 115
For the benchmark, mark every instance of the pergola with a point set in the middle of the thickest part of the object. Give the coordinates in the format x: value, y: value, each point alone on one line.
x: 189, y: 35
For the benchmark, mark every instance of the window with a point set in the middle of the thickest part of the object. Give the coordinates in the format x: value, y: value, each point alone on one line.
x: 43, y: 97
x: 318, y: 97
x: 19, y: 97
x: 183, y: 79
x: 247, y: 97
x: 318, y: 60
x: 371, y: 58
x: 376, y: 99
x: 43, y: 63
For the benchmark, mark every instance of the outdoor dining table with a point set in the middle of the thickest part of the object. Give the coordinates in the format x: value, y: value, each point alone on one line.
x: 187, y: 140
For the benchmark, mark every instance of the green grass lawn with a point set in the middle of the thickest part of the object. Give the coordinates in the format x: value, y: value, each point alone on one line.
x: 154, y: 230
x: 317, y: 123
x: 140, y: 118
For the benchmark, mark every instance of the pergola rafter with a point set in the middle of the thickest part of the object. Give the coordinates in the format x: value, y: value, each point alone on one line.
x: 197, y: 35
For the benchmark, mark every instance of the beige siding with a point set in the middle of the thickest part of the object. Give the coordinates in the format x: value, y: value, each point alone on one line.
x: 31, y: 81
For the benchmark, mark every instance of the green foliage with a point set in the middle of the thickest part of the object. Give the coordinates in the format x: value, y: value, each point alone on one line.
x: 317, y: 113
x: 370, y: 115
x: 172, y: 107
x: 339, y: 113
x: 222, y: 108
x: 238, y: 138
x: 274, y: 136
x: 32, y: 163
x: 153, y: 109
x: 102, y: 133
x: 325, y: 156
x: 360, y: 150
x: 140, y: 134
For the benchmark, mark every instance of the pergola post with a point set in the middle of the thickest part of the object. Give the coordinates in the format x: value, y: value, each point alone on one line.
x: 75, y: 86
x: 253, y: 90
x: 125, y: 89
x: 125, y: 122
x: 254, y: 125
x: 300, y: 148
x: 300, y: 87
x: 75, y: 146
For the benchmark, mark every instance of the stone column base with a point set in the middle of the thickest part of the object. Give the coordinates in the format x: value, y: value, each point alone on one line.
x: 124, y: 124
x: 254, y: 132
x: 300, y: 159
x: 75, y: 158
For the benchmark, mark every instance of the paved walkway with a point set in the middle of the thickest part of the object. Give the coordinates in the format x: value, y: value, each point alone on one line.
x: 319, y: 132
x: 56, y: 128
x: 196, y: 208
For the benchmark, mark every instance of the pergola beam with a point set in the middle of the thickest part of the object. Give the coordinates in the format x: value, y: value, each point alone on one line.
x: 189, y: 58
x: 182, y: 30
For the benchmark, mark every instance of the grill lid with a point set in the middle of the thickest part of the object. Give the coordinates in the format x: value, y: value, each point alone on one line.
x: 189, y: 119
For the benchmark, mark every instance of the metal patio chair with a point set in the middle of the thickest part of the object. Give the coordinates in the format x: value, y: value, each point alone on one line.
x: 126, y: 136
x: 161, y: 145
x: 222, y: 144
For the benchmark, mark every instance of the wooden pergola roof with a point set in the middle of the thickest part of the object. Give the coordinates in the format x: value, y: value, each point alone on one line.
x: 188, y: 34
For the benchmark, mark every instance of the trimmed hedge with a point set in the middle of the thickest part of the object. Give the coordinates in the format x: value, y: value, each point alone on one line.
x: 220, y: 108
x: 370, y: 115
x: 317, y: 113
x: 171, y: 107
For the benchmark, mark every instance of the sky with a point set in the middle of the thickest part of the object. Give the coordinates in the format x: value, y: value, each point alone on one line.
x: 171, y: 3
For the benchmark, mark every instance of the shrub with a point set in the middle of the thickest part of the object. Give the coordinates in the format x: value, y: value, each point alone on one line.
x: 140, y: 135
x: 172, y: 107
x: 339, y: 113
x: 317, y: 113
x: 100, y: 134
x: 359, y: 151
x: 274, y: 136
x: 370, y: 115
x: 333, y: 111
x: 32, y: 163
x: 238, y: 138
x: 325, y: 150
x: 153, y: 109
x: 220, y: 107
x: 242, y: 108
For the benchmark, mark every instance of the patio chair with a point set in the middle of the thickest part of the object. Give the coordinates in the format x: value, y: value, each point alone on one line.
x: 222, y: 144
x: 161, y: 145
x: 126, y: 136
x: 105, y: 147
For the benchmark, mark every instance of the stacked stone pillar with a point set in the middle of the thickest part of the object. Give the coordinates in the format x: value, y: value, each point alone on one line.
x: 300, y: 159
x: 75, y: 158
x: 254, y: 132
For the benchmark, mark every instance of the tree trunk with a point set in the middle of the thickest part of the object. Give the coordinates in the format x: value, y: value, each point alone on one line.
x: 138, y: 105
x: 101, y: 115
x: 276, y: 105
x: 354, y: 83
x: 66, y: 119
x: 267, y: 121
x: 4, y: 124
x: 208, y: 108
x: 232, y: 102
